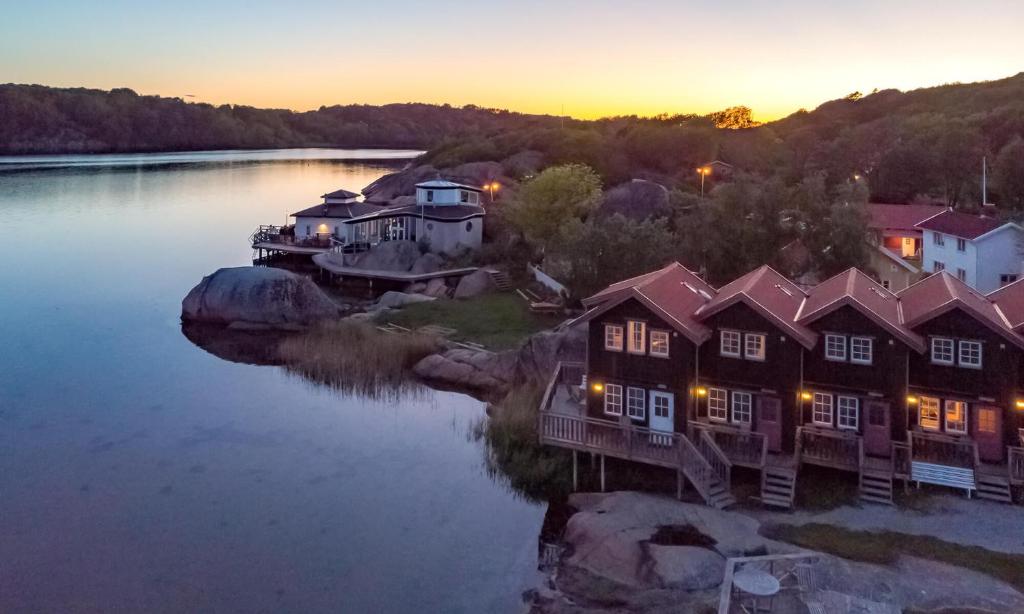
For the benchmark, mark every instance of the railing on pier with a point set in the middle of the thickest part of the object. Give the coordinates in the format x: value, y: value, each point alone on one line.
x: 743, y: 448
x: 939, y: 449
x: 901, y: 460
x: 1016, y: 465
x: 280, y: 235
x: 830, y: 448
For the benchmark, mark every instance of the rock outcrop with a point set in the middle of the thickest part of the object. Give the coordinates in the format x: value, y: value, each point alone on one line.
x: 474, y: 284
x: 477, y: 370
x: 427, y: 263
x: 537, y: 357
x: 245, y: 297
x: 387, y: 256
x: 395, y: 300
x: 637, y: 200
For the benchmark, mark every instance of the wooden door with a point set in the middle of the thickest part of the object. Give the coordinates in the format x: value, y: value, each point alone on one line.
x: 988, y: 433
x: 769, y: 421
x: 662, y: 416
x: 877, y: 428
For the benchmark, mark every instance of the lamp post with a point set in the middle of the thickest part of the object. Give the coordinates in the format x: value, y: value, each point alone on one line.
x: 491, y: 187
x: 703, y: 171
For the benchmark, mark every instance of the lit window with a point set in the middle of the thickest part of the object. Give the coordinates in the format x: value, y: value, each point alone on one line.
x: 635, y: 403
x: 942, y: 351
x: 613, y: 337
x: 938, y: 239
x: 821, y: 410
x: 961, y: 274
x: 861, y: 350
x: 846, y: 413
x: 613, y: 399
x: 659, y: 343
x: 741, y: 407
x: 970, y: 354
x: 718, y: 405
x: 835, y: 347
x: 754, y: 346
x: 987, y: 420
x: 928, y: 413
x: 637, y: 337
x: 961, y: 245
x: 956, y: 417
x: 730, y: 343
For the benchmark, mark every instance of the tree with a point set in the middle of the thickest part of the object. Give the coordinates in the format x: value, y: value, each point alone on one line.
x: 838, y: 239
x: 547, y: 204
x: 1008, y: 174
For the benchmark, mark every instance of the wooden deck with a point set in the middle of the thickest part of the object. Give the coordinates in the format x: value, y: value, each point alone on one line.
x: 289, y: 248
x: 321, y: 260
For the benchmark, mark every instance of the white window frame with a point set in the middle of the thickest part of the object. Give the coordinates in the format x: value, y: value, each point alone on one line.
x: 1007, y: 278
x: 636, y: 337
x: 961, y: 274
x: 961, y: 244
x: 847, y: 413
x: 938, y: 239
x: 613, y: 332
x: 936, y: 341
x: 718, y: 404
x: 833, y: 344
x: 660, y: 337
x: 757, y: 352
x: 863, y: 355
x: 962, y: 428
x: 636, y: 404
x: 886, y: 284
x: 819, y: 406
x: 734, y: 337
x: 969, y: 346
x: 938, y: 266
x: 742, y: 407
x: 926, y: 403
x: 613, y: 399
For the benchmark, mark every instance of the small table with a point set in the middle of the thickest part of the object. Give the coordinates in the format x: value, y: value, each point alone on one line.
x: 758, y: 584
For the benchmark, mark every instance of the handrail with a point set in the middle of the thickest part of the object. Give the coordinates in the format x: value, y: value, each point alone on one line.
x: 832, y: 448
x: 737, y: 444
x: 900, y: 459
x: 1015, y: 464
x: 716, y: 458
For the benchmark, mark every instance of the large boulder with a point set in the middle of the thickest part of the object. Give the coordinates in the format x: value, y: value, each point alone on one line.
x: 388, y: 256
x: 427, y: 263
x: 260, y: 296
x: 402, y: 183
x: 474, y: 284
x: 436, y: 288
x: 687, y: 568
x: 396, y: 300
x: 537, y: 357
x: 477, y: 370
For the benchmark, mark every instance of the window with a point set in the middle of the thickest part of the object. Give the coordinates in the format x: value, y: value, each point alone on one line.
x: 469, y: 226
x: 754, y: 346
x: 1007, y: 279
x: 893, y: 268
x: 637, y: 337
x: 938, y: 267
x: 659, y: 343
x: 473, y: 198
x: 835, y: 347
x: 821, y: 409
x: 942, y: 351
x: 961, y: 274
x: 463, y: 196
x: 886, y: 284
x: 613, y: 337
x: 846, y: 413
x: 970, y: 354
x: 613, y: 399
x: 741, y: 407
x: 961, y: 245
x: 635, y: 403
x: 956, y: 417
x: 307, y: 230
x: 730, y: 343
x: 938, y: 239
x: 430, y: 196
x: 861, y: 350
x: 718, y: 405
x: 987, y: 420
x: 928, y: 413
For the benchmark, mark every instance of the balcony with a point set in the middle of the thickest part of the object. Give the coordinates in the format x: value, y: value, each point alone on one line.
x: 742, y: 448
x: 829, y: 448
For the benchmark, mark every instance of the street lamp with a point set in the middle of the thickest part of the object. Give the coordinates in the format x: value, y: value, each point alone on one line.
x: 703, y: 171
x: 491, y: 188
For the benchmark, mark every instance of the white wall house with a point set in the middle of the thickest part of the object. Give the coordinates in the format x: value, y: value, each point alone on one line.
x: 984, y: 253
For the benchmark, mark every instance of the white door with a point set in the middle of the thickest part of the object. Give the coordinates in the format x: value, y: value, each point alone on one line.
x: 662, y: 416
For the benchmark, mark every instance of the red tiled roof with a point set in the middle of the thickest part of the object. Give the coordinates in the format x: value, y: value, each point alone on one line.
x: 1010, y: 301
x: 905, y: 218
x: 770, y: 294
x: 941, y: 292
x: 854, y: 288
x: 960, y: 224
x: 673, y: 292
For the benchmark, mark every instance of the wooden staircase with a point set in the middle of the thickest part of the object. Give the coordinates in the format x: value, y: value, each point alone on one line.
x: 778, y: 486
x: 876, y: 486
x: 500, y: 279
x: 993, y: 487
x: 719, y: 496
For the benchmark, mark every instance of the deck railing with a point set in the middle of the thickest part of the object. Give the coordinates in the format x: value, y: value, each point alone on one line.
x: 1016, y: 465
x: 901, y: 460
x: 744, y: 448
x: 274, y: 234
x: 943, y: 450
x: 716, y: 458
x: 830, y: 448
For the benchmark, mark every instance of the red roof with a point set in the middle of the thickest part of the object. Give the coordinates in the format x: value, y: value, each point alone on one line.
x: 960, y: 224
x: 1010, y: 301
x: 857, y: 290
x: 674, y: 292
x: 904, y: 218
x: 770, y: 294
x: 938, y: 294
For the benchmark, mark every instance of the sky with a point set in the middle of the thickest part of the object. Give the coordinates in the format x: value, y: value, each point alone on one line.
x: 584, y: 59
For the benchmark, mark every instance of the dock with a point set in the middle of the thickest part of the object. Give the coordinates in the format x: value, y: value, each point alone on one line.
x: 322, y: 261
x: 289, y: 248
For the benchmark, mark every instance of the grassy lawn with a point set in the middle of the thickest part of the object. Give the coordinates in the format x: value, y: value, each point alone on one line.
x: 497, y: 321
x: 884, y: 547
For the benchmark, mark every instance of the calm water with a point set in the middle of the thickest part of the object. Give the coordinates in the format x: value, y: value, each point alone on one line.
x: 139, y: 472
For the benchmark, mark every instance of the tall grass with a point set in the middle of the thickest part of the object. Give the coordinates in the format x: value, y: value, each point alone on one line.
x: 514, y: 453
x: 355, y: 356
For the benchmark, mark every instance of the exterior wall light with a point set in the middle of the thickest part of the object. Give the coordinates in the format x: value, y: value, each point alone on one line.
x: 1020, y: 403
x: 806, y: 396
x: 597, y: 387
x: 702, y: 392
x: 911, y: 400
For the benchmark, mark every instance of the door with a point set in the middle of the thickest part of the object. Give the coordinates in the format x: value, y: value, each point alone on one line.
x: 663, y: 416
x: 988, y: 433
x: 769, y: 421
x: 878, y: 428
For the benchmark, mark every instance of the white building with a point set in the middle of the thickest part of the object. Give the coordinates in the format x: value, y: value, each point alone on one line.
x: 328, y: 218
x: 984, y: 253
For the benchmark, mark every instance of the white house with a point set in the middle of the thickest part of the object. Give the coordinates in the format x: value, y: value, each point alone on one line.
x: 327, y: 219
x: 984, y: 253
